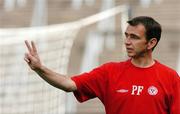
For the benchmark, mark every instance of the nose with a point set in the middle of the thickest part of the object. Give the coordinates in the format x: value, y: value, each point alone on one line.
x: 127, y: 41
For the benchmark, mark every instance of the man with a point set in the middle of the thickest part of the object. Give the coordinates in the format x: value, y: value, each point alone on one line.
x: 139, y: 85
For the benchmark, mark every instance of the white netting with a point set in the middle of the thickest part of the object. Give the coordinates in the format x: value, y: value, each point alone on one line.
x: 21, y: 90
x: 22, y: 93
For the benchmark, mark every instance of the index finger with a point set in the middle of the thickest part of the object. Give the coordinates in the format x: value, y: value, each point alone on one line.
x: 34, y: 47
x: 28, y: 46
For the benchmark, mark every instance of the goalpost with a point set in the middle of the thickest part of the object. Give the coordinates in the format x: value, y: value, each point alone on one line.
x: 21, y: 90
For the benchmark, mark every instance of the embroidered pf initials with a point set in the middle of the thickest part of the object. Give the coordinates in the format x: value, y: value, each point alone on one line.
x: 136, y: 90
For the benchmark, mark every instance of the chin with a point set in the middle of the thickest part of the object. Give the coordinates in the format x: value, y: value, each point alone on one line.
x: 130, y: 55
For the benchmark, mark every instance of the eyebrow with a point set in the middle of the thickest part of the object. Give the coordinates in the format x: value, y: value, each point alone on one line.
x: 130, y: 34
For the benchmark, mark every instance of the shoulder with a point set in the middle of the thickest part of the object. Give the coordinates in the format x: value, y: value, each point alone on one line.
x: 115, y: 65
x: 166, y: 70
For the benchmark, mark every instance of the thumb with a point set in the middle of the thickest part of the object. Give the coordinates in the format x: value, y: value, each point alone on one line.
x: 27, y: 60
x: 28, y: 57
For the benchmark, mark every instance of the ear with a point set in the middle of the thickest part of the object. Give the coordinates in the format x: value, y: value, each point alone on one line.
x: 151, y: 43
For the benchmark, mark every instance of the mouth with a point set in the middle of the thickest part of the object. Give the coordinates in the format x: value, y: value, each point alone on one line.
x: 129, y: 49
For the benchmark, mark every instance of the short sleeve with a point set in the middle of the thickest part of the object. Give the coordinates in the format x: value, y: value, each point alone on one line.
x: 175, y: 105
x: 91, y: 84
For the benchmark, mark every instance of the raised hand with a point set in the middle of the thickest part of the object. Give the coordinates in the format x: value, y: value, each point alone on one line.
x: 55, y: 79
x: 32, y: 57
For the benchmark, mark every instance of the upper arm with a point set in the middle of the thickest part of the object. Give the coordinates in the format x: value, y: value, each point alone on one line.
x: 70, y: 85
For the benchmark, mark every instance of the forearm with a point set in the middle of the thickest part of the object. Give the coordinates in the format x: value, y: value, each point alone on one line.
x: 55, y: 79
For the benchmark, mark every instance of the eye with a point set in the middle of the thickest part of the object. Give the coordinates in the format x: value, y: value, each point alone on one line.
x: 126, y: 34
x: 134, y: 36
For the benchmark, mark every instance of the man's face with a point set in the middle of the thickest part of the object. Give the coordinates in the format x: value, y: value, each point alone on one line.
x: 135, y: 42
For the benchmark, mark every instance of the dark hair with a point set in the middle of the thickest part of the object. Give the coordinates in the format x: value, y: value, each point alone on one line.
x: 153, y: 28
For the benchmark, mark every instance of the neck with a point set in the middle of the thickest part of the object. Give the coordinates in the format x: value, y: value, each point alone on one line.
x: 143, y: 62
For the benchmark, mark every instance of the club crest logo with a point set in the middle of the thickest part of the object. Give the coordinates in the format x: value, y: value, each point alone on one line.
x: 152, y: 90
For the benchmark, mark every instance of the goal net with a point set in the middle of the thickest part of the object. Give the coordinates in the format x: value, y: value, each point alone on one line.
x: 21, y: 90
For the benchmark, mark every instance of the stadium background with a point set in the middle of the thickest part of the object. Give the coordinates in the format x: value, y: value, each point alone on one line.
x: 28, y: 13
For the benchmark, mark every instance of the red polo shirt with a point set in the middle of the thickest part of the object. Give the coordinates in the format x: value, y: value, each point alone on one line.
x: 126, y: 89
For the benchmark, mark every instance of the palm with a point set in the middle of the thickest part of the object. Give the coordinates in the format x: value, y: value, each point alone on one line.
x: 32, y: 57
